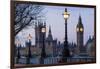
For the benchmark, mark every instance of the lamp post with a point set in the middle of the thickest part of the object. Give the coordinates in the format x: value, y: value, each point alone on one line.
x: 29, y: 49
x: 65, y: 53
x: 43, y: 53
x: 18, y: 51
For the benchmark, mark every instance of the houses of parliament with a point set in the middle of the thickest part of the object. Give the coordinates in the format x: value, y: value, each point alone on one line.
x: 53, y: 47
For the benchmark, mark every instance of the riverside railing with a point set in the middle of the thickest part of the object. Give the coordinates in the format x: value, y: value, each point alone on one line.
x: 57, y: 60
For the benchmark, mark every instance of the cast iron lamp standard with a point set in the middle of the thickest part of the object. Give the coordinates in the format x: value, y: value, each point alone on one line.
x: 43, y: 53
x: 18, y: 52
x: 65, y: 53
x: 29, y: 49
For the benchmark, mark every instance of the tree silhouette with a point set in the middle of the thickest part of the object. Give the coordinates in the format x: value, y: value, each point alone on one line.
x: 25, y: 14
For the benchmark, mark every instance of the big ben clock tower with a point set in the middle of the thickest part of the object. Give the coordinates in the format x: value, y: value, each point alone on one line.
x: 80, y: 37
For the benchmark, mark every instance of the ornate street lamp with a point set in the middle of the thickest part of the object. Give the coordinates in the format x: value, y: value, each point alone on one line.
x: 18, y: 51
x: 65, y: 53
x: 43, y: 53
x: 29, y: 49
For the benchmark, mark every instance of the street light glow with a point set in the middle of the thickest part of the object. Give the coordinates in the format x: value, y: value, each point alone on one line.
x: 43, y: 30
x: 66, y: 14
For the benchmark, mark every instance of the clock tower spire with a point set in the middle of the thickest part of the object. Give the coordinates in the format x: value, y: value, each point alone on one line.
x: 80, y: 36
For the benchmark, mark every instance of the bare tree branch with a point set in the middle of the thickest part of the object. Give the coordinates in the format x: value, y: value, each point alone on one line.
x: 24, y: 14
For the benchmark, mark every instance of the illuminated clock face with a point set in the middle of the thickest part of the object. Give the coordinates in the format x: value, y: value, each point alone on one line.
x: 81, y: 29
x: 77, y: 29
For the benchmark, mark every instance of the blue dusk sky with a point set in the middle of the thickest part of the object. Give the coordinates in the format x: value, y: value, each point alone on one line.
x: 54, y: 18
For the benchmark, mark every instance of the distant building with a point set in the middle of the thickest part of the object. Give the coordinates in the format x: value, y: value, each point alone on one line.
x: 50, y: 42
x: 58, y: 49
x: 80, y: 38
x: 39, y: 33
x: 72, y: 49
x: 52, y: 47
x: 91, y: 48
